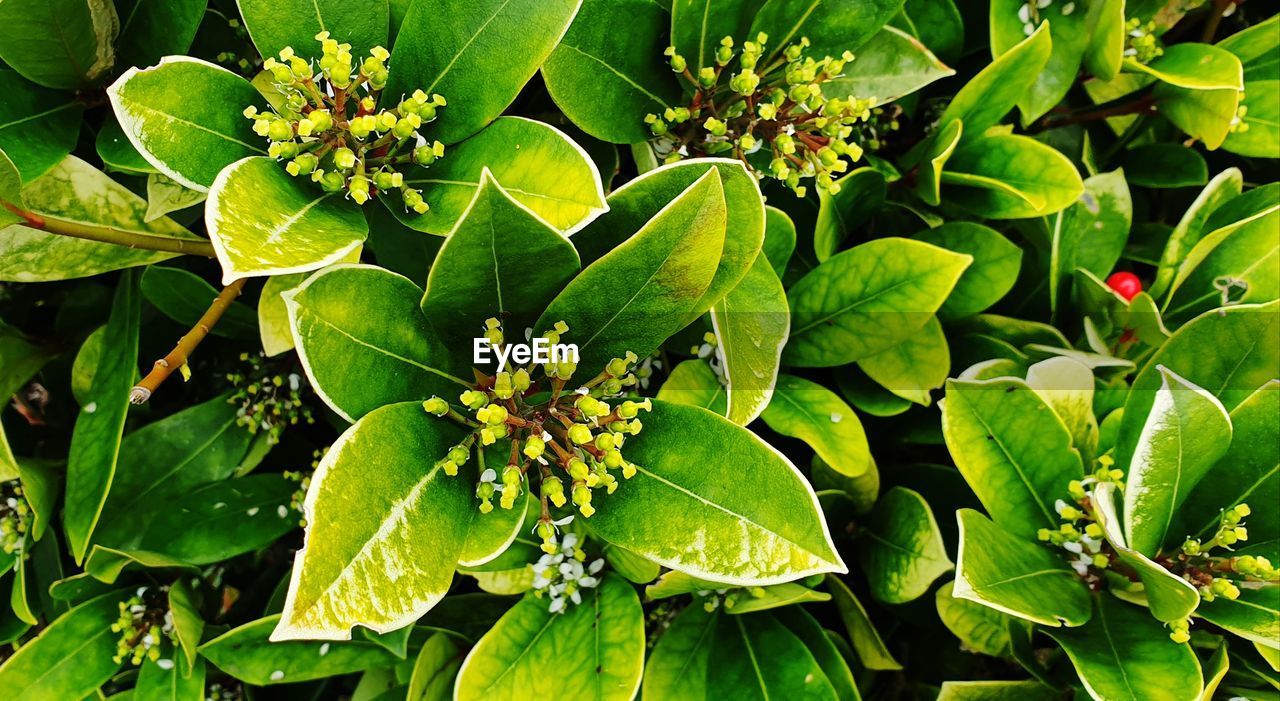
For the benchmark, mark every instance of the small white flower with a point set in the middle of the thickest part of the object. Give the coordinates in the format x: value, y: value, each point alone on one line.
x: 253, y: 511
x: 1024, y: 14
x: 324, y: 649
x: 596, y: 566
x: 1059, y: 506
x: 1068, y: 8
x: 1028, y: 29
x: 557, y: 605
x: 1073, y: 547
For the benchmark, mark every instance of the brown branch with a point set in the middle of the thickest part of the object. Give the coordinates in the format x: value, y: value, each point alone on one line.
x: 111, y: 235
x: 186, y: 345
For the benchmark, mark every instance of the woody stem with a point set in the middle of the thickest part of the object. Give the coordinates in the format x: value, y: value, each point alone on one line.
x: 186, y: 345
x: 107, y: 234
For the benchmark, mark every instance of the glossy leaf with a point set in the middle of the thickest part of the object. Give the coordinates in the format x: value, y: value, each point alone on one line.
x: 1202, y: 114
x: 779, y: 239
x: 902, y: 551
x: 1012, y: 448
x: 75, y: 191
x: 677, y: 668
x: 1069, y: 31
x: 152, y: 29
x: 1261, y: 138
x: 1247, y: 251
x: 1194, y: 66
x: 537, y: 164
x: 224, y: 519
x: 483, y: 269
x: 938, y: 150
x: 808, y: 411
x: 996, y: 691
x: 38, y: 127
x: 1184, y: 434
x: 179, y: 682
x: 400, y: 550
x: 165, y: 196
x: 979, y: 627
x: 890, y: 65
x: 1123, y: 654
x: 276, y: 24
x: 1254, y: 615
x: 184, y: 297
x: 757, y: 658
x: 605, y: 81
x: 596, y: 647
x: 866, y: 641
x: 693, y: 382
x: 831, y: 27
x: 1092, y: 232
x: 861, y: 194
x: 684, y: 508
x: 188, y: 140
x: 989, y: 278
x: 63, y: 44
x: 262, y: 221
x: 1192, y: 226
x: 1165, y: 166
x: 71, y: 658
x: 646, y: 289
x: 752, y: 323
x: 867, y: 299
x: 95, y: 443
x: 356, y: 322
x: 986, y: 99
x: 697, y: 26
x: 1016, y: 576
x: 250, y: 655
x: 502, y: 40
x: 1067, y: 386
x: 1011, y: 177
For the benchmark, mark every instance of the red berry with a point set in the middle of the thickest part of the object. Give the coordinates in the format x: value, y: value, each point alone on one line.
x: 1126, y: 285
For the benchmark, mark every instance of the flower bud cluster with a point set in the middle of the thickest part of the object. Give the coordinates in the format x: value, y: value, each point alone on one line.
x: 569, y: 442
x: 774, y: 116
x: 15, y: 518
x: 1140, y: 42
x: 268, y: 400
x: 145, y: 623
x: 343, y: 141
x: 561, y: 576
x: 303, y: 478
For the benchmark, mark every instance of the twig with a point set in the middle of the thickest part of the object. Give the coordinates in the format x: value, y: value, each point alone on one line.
x: 186, y: 345
x: 1215, y: 18
x: 107, y: 234
x: 1142, y: 105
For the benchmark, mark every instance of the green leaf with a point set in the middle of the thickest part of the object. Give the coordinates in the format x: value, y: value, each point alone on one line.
x: 986, y: 99
x: 95, y: 443
x: 117, y: 152
x: 400, y: 548
x: 752, y: 323
x: 677, y: 668
x: 605, y: 81
x: 63, y: 44
x: 107, y: 564
x: 830, y: 26
x: 633, y: 567
x: 262, y: 221
x: 902, y: 551
x: 1247, y: 252
x: 1249, y: 472
x: 1105, y: 54
x: 249, y: 654
x: 1170, y: 597
x: 1092, y: 232
x: 1069, y: 30
x: 71, y: 658
x: 184, y: 297
x: 435, y: 668
x: 1165, y: 165
x: 867, y: 643
x: 822, y: 646
x: 538, y: 165
x: 273, y: 314
x: 693, y: 382
x: 1254, y: 615
x: 757, y: 658
x: 1193, y: 225
x: 164, y: 461
x: 996, y: 262
x: 356, y: 322
x: 818, y: 416
x: 1203, y: 114
x: 937, y: 152
x: 224, y: 519
x: 861, y: 194
x: 492, y: 534
x: 483, y: 269
x: 596, y: 648
x: 276, y: 24
x: 997, y: 691
x: 867, y: 299
x: 478, y: 54
x: 165, y: 196
x: 1258, y: 133
x: 1195, y: 67
x: 890, y: 65
x: 779, y: 239
x: 1123, y: 654
x: 634, y: 205
x: 1015, y: 576
x: 1255, y: 47
x: 697, y: 27
x: 914, y: 367
x: 695, y: 517
x: 152, y: 29
x: 77, y: 193
x: 179, y: 682
x: 188, y: 140
x: 979, y: 627
x: 1066, y: 385
x: 1184, y: 434
x: 647, y: 288
x: 1007, y: 176
x: 38, y: 127
x: 188, y: 626
x: 1012, y: 449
